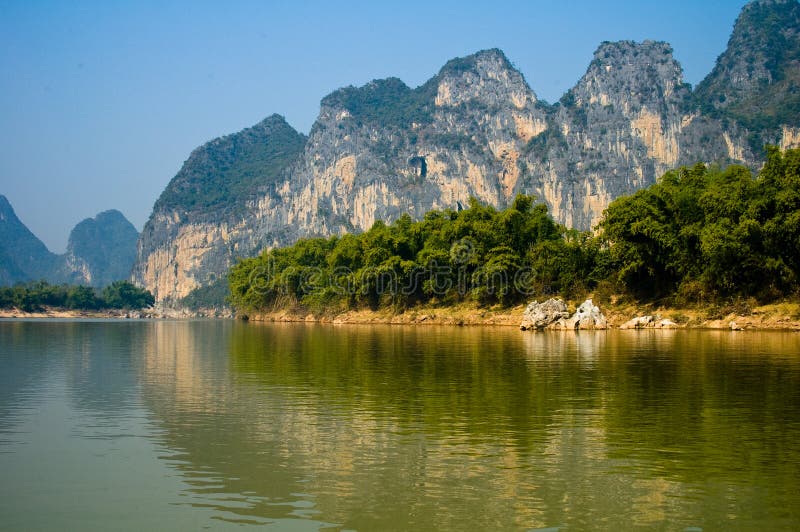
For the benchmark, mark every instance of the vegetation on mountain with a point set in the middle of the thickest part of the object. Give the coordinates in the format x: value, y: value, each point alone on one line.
x: 22, y: 255
x: 211, y: 296
x: 755, y: 81
x: 37, y: 295
x: 224, y: 173
x: 699, y: 235
x: 106, y: 244
x: 388, y: 102
x: 100, y: 250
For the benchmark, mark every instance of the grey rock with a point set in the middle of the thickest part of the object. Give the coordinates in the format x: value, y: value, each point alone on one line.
x: 588, y: 316
x: 540, y: 315
x: 639, y: 322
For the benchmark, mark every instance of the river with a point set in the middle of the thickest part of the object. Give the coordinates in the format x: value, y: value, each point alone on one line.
x: 191, y: 425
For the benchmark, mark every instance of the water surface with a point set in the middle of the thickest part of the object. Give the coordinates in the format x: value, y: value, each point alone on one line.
x: 220, y: 424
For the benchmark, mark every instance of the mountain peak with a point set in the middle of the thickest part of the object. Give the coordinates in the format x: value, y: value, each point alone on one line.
x: 22, y: 255
x: 486, y: 76
x: 759, y: 70
x: 273, y: 122
x: 376, y: 93
x: 640, y: 74
x: 101, y: 250
x: 6, y: 210
x: 477, y: 63
x: 632, y: 49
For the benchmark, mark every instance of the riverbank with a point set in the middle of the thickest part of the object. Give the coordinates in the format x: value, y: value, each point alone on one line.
x: 157, y: 312
x: 777, y: 316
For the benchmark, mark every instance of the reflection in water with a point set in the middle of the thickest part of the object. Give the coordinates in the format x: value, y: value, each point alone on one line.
x: 392, y: 427
x: 307, y: 426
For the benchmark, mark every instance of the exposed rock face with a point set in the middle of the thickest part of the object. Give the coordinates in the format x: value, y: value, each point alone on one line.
x: 540, y: 315
x: 476, y: 129
x: 616, y: 131
x: 553, y: 315
x: 649, y: 322
x: 100, y: 250
x: 223, y: 204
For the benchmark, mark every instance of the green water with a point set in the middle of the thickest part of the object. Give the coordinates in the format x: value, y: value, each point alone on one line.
x: 218, y: 424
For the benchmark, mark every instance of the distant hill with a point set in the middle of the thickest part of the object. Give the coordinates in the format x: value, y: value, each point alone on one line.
x: 23, y: 257
x: 101, y: 250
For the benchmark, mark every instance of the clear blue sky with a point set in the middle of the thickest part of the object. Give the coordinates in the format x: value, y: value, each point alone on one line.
x: 101, y: 102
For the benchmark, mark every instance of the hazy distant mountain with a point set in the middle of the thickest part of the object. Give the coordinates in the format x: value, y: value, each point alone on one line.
x: 474, y: 129
x: 22, y: 256
x: 101, y: 250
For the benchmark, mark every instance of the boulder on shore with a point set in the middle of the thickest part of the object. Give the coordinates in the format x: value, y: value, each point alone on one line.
x: 540, y: 315
x: 588, y: 316
x: 649, y: 322
x: 553, y: 314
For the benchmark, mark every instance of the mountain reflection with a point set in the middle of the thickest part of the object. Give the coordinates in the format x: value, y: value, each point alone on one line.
x: 432, y: 427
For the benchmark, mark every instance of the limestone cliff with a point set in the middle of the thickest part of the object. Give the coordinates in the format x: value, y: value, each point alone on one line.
x: 476, y: 129
x: 616, y: 131
x: 212, y: 211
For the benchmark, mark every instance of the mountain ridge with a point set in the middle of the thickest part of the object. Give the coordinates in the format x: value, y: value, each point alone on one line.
x: 477, y: 129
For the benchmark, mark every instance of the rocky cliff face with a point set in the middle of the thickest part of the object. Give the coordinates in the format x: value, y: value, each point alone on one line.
x: 213, y: 210
x: 616, y: 131
x: 752, y: 90
x: 476, y: 129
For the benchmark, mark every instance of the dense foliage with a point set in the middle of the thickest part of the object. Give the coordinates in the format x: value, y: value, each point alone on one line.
x: 703, y: 234
x: 699, y: 235
x: 223, y: 173
x: 34, y: 296
x: 389, y: 102
x: 210, y: 296
x: 478, y: 254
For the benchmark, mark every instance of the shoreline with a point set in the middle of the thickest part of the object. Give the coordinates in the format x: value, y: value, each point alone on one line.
x: 783, y: 316
x: 778, y: 316
x: 157, y: 313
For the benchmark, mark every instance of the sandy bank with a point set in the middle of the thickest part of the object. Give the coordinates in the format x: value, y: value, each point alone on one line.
x: 780, y: 316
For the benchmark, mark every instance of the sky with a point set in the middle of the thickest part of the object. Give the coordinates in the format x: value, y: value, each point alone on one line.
x: 102, y: 102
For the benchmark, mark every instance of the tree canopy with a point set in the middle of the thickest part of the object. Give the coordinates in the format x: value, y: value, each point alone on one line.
x: 36, y: 295
x: 699, y: 235
x: 703, y: 234
x: 479, y: 254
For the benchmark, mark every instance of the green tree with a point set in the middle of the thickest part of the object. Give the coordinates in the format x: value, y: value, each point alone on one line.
x: 124, y: 294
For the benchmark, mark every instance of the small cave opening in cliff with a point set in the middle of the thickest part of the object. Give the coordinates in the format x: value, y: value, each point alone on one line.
x: 419, y: 165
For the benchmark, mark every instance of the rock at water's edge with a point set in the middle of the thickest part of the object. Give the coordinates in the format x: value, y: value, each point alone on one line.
x: 540, y: 315
x: 553, y: 314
